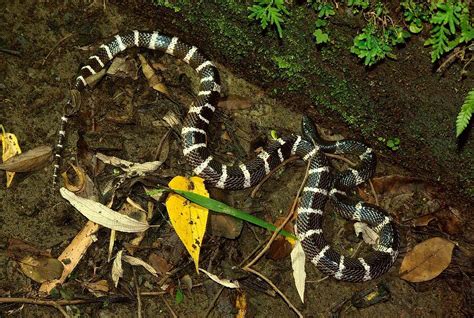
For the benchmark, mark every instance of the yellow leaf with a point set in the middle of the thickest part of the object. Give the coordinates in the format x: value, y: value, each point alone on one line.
x: 188, y: 219
x: 10, y: 148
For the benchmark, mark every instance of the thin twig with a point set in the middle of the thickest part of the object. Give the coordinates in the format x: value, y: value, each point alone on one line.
x: 8, y: 51
x: 374, y: 193
x: 288, y: 218
x: 61, y: 310
x: 331, y: 155
x: 282, y: 295
x: 56, y: 46
x: 169, y: 307
x: 213, y: 303
x: 318, y: 281
x: 139, y: 299
x: 259, y: 185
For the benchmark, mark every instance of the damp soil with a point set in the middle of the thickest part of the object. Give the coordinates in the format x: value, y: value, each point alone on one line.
x: 123, y: 117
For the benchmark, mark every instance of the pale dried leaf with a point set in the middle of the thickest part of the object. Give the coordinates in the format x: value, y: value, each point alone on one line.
x: 139, y: 262
x: 131, y: 168
x: 30, y: 160
x: 103, y: 215
x: 298, y: 258
x: 368, y: 235
x: 187, y: 281
x: 224, y: 282
x: 117, y: 270
x: 427, y: 260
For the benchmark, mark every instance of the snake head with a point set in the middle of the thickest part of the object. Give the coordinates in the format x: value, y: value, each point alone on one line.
x: 309, y: 130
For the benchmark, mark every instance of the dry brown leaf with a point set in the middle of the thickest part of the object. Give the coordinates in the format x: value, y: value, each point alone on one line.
x: 427, y: 260
x: 234, y: 102
x: 450, y: 221
x: 423, y: 220
x: 41, y: 269
x: 159, y: 263
x: 154, y: 80
x: 30, y: 160
x: 280, y: 247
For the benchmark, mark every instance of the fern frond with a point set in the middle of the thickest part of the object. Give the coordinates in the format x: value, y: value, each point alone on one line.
x: 465, y: 113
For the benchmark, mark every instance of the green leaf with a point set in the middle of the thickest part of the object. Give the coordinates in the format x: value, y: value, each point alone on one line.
x: 415, y: 28
x: 179, y: 296
x: 465, y: 113
x: 220, y: 207
x: 320, y: 36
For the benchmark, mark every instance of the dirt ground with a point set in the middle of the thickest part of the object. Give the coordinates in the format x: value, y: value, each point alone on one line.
x: 122, y: 116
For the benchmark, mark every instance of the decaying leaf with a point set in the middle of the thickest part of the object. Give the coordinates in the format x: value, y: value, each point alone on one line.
x: 103, y: 215
x: 154, y: 80
x: 368, y: 235
x: 234, y: 102
x: 225, y: 226
x: 41, y: 269
x: 299, y: 273
x: 123, y: 67
x: 10, y: 148
x: 18, y: 249
x: 427, y: 260
x: 134, y: 261
x: 30, y: 160
x: 188, y: 219
x: 98, y: 288
x: 117, y: 270
x: 222, y: 281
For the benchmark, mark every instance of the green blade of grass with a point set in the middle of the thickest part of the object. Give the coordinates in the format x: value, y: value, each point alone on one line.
x: 220, y: 207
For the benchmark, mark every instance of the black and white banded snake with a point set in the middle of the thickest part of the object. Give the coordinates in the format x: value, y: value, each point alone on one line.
x: 322, y: 184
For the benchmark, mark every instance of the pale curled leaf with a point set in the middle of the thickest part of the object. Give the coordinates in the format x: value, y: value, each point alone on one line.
x: 224, y: 282
x: 30, y: 160
x: 427, y: 260
x: 134, y: 261
x: 129, y: 167
x: 298, y: 258
x: 368, y: 235
x: 117, y: 270
x: 103, y: 215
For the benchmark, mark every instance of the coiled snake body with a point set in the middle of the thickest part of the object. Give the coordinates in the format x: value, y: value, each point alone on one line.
x: 322, y: 184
